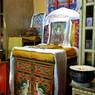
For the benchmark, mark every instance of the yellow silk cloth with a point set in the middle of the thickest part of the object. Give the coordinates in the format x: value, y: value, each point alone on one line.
x: 71, y: 52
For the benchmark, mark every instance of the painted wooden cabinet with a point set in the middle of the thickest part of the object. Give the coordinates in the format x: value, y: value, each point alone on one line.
x: 87, y: 32
x: 34, y: 77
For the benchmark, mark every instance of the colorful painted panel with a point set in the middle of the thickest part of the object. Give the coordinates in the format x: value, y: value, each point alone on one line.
x: 43, y: 86
x: 23, y: 84
x: 45, y: 71
x: 26, y: 67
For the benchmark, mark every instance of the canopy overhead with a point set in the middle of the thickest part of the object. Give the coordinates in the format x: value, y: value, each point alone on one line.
x: 61, y: 14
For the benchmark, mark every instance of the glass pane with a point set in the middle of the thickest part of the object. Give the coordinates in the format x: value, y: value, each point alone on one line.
x: 88, y: 39
x: 88, y: 58
x: 89, y: 15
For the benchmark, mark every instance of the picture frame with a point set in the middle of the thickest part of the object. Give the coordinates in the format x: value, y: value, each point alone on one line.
x: 57, y: 32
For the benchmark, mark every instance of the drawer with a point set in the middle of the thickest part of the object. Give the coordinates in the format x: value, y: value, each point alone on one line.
x: 23, y: 82
x: 44, y: 70
x: 24, y: 66
x: 42, y: 86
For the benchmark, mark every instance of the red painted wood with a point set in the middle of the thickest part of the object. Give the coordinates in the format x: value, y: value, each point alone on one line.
x: 3, y: 78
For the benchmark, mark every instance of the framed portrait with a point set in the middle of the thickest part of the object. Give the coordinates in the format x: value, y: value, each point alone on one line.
x: 57, y: 32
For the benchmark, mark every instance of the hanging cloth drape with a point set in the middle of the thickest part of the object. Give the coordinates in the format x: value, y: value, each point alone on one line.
x: 55, y: 4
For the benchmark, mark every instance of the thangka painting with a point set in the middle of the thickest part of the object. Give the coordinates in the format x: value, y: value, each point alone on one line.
x: 55, y: 4
x: 37, y: 22
x: 57, y: 32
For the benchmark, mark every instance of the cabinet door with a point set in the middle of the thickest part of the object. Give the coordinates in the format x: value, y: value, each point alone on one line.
x: 23, y: 77
x: 42, y: 86
x: 23, y: 83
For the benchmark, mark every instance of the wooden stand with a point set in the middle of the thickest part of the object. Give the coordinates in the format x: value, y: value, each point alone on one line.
x: 83, y: 91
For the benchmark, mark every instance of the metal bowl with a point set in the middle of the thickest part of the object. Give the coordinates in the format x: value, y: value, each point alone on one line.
x: 82, y: 73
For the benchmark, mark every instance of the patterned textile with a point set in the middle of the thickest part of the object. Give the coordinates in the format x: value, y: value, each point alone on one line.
x: 75, y: 33
x: 71, y: 52
x: 37, y: 21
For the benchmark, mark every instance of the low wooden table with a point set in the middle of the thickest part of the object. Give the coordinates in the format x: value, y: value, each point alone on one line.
x: 79, y: 90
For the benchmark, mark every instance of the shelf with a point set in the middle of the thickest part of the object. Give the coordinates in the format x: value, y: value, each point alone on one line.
x: 88, y: 33
x: 80, y: 90
x: 89, y: 50
x: 90, y: 4
x: 89, y: 28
